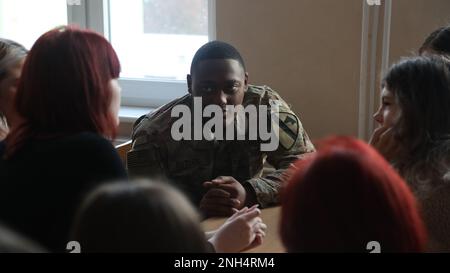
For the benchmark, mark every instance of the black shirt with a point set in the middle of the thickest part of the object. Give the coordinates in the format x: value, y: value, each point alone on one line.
x: 2, y: 147
x: 45, y: 181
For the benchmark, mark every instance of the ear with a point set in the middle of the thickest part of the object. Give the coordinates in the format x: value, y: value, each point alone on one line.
x: 246, y: 81
x: 189, y: 83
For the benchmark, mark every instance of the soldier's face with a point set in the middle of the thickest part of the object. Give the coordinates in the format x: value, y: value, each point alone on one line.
x: 219, y: 82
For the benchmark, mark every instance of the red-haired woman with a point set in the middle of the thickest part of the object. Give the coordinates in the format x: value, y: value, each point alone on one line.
x: 345, y: 196
x: 69, y: 98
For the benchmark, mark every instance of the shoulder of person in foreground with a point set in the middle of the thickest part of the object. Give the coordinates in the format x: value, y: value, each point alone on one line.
x: 11, y: 242
x: 97, y: 154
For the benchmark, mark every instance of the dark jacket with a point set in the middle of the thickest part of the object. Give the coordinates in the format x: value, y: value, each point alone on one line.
x: 44, y: 182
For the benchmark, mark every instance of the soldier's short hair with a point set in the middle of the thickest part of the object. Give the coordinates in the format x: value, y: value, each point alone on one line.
x: 216, y: 50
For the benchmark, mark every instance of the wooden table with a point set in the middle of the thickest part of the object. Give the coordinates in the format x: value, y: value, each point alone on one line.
x: 272, y: 242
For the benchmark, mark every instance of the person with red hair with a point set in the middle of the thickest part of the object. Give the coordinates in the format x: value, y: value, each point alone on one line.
x: 345, y: 196
x: 68, y: 97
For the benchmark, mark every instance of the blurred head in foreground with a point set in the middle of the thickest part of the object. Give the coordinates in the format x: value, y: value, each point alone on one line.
x: 345, y: 196
x: 138, y: 217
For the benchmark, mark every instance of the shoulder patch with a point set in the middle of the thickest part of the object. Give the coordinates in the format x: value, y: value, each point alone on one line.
x: 289, y: 129
x: 141, y: 140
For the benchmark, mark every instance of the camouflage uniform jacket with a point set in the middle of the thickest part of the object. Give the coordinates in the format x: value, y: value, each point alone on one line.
x: 189, y: 163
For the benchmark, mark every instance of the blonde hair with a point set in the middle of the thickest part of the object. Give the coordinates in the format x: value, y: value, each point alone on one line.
x: 10, y: 54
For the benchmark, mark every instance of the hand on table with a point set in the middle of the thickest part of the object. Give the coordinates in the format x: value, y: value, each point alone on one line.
x: 242, y: 231
x: 224, y: 197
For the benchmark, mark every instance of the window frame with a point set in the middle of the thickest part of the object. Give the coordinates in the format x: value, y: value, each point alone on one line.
x: 94, y: 15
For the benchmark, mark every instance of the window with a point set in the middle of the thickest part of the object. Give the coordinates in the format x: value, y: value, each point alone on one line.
x: 155, y: 39
x: 159, y: 38
x: 20, y: 22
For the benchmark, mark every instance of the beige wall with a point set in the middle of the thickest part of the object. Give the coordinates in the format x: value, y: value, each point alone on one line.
x: 310, y: 50
x: 412, y: 21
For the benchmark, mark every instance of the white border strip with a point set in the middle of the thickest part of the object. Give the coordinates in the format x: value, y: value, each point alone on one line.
x: 368, y: 70
x: 373, y: 71
x: 212, y: 24
x: 362, y: 110
x: 386, y: 36
x: 76, y: 14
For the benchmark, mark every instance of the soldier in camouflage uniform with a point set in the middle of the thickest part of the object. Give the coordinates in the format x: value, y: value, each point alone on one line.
x: 220, y: 176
